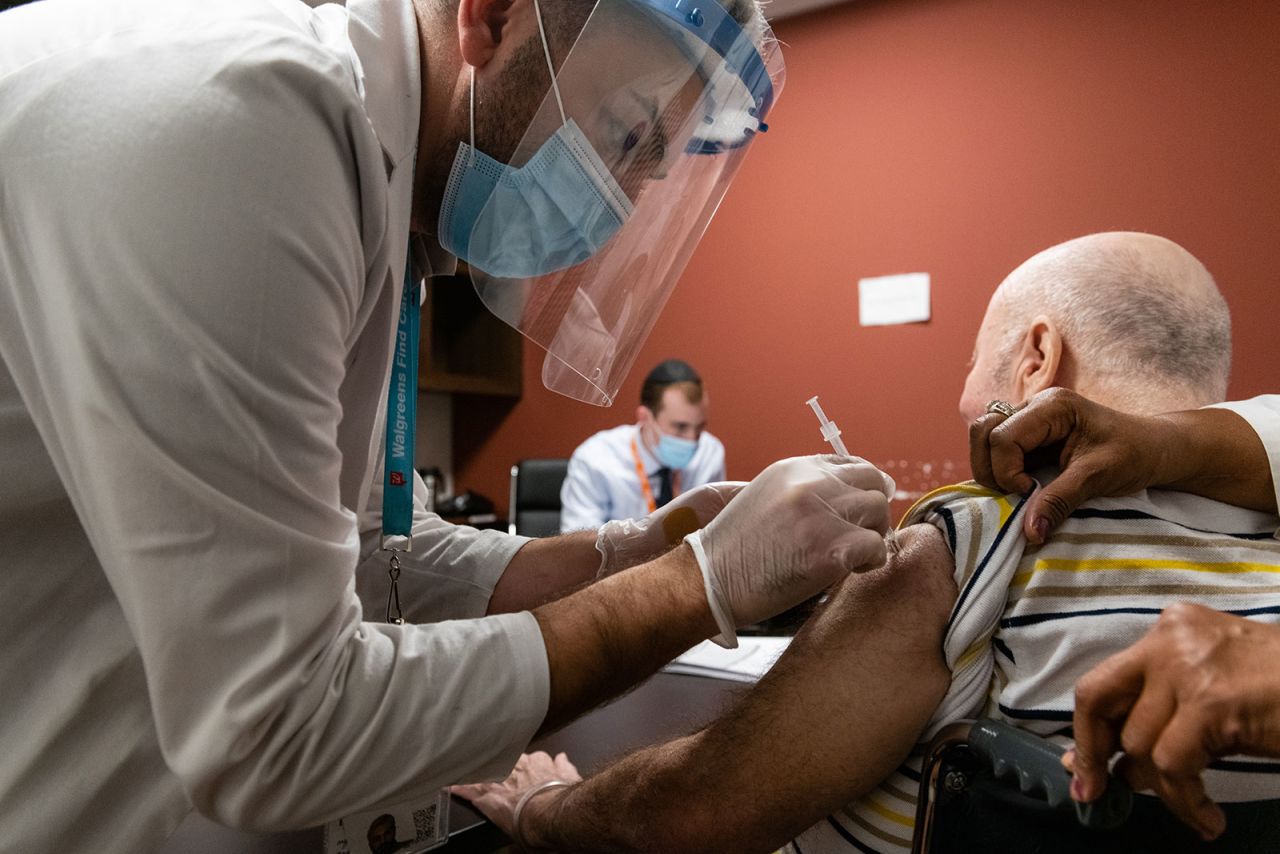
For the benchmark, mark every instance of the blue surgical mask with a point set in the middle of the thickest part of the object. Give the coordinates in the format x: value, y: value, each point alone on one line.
x: 517, y: 222
x: 674, y: 452
x: 555, y: 211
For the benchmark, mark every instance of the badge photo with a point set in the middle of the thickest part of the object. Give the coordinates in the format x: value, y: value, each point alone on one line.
x: 406, y: 828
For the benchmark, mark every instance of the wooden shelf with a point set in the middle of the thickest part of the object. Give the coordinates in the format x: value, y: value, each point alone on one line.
x: 464, y: 347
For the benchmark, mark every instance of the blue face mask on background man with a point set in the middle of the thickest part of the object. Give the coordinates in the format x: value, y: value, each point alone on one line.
x: 674, y: 452
x: 555, y: 211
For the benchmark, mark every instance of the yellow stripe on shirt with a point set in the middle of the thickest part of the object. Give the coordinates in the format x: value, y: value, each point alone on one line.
x: 979, y: 646
x: 1139, y: 564
x: 884, y: 812
x: 967, y: 488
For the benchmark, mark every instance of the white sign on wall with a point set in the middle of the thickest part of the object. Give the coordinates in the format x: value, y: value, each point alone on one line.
x: 886, y: 300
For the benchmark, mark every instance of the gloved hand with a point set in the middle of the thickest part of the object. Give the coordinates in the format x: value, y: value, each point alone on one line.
x: 624, y: 543
x: 798, y: 528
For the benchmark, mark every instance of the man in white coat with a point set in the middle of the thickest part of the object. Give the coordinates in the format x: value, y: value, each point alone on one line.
x: 206, y: 211
x: 631, y: 470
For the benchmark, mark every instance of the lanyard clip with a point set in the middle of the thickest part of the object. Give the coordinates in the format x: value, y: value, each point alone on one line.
x: 397, y: 545
x: 394, y: 615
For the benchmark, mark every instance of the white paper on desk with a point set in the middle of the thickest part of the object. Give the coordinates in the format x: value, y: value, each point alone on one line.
x: 751, y: 660
x: 886, y: 300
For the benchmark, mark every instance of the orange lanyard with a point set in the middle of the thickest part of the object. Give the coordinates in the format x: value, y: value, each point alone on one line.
x: 645, y: 489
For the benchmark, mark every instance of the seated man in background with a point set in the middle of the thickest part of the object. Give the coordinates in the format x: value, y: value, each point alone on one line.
x: 967, y: 618
x: 632, y: 470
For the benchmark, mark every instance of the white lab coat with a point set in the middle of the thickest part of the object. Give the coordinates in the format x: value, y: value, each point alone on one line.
x: 203, y: 227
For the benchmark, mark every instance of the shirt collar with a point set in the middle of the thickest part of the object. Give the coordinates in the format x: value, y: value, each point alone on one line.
x: 384, y: 34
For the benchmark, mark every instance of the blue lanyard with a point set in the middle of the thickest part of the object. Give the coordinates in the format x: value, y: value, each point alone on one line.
x: 402, y: 411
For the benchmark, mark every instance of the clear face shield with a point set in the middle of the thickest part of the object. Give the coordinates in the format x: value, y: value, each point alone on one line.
x: 579, y: 241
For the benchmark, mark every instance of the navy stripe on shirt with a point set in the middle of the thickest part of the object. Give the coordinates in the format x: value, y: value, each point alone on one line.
x: 848, y: 837
x: 1032, y: 619
x: 1130, y: 515
x: 1034, y: 714
x: 1003, y: 649
x: 950, y: 522
x: 986, y: 559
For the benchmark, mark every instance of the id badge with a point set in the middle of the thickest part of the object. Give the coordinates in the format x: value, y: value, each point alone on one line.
x: 405, y: 828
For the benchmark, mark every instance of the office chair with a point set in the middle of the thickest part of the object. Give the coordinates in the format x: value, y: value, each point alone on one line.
x: 535, y: 497
x: 988, y: 787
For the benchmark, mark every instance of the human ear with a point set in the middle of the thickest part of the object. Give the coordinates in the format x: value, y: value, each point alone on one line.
x: 648, y: 424
x: 481, y: 26
x: 1039, y: 360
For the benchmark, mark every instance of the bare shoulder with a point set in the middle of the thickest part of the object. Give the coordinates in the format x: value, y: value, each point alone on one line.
x: 921, y: 566
x: 907, y: 600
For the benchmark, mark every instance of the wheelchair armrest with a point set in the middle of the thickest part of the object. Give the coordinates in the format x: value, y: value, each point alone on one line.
x: 1006, y: 751
x: 1036, y: 764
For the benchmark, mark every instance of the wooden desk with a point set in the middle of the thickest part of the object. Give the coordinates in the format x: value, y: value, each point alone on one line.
x: 666, y: 706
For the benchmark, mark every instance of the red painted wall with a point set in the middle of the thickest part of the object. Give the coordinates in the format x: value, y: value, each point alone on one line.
x: 954, y: 137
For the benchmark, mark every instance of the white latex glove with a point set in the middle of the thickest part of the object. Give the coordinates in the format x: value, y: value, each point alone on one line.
x: 799, y: 527
x: 624, y: 543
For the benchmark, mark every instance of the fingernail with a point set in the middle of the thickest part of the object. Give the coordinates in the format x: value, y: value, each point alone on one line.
x: 1214, y: 825
x: 1041, y: 526
x: 1077, y: 790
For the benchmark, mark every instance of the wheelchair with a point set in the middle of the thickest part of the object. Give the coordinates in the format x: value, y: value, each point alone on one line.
x: 990, y: 788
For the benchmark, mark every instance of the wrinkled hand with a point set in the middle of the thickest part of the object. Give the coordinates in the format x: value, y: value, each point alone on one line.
x: 799, y: 527
x: 498, y: 800
x: 1101, y: 452
x: 1199, y: 685
x: 624, y: 543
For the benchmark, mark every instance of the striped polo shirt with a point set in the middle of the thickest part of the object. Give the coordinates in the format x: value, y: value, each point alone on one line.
x: 1030, y: 620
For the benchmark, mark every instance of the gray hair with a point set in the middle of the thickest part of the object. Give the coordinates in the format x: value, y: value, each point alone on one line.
x: 1140, y: 313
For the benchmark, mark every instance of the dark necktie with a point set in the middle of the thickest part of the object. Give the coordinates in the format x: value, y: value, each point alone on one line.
x: 664, y: 486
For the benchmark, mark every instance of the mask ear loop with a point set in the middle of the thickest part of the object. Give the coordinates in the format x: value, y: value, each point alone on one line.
x: 550, y: 67
x: 471, y: 153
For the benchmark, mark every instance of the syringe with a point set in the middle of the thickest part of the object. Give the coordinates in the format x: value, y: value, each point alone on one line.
x: 830, y: 431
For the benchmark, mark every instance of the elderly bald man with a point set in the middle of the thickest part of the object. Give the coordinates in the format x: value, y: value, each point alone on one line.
x: 1136, y: 322
x: 1126, y: 319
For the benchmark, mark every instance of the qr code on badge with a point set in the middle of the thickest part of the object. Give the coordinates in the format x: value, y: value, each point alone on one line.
x: 424, y: 824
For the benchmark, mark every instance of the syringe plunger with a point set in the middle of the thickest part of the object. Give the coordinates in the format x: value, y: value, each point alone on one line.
x: 830, y: 431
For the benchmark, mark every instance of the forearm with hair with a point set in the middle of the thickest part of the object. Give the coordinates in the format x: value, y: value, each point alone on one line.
x: 544, y: 570
x: 837, y: 713
x: 616, y: 632
x: 1216, y: 454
